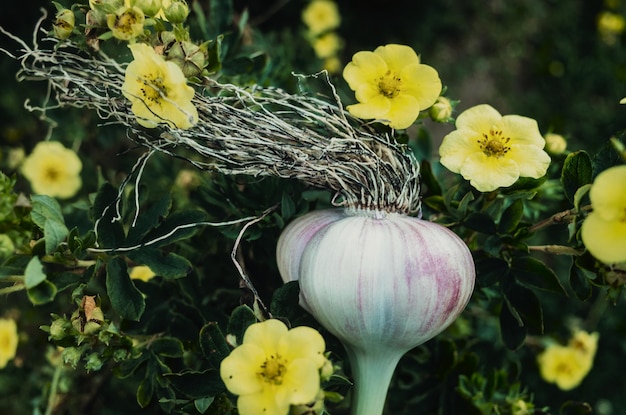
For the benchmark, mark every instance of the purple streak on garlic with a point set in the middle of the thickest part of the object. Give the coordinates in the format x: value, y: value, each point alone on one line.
x: 383, y: 283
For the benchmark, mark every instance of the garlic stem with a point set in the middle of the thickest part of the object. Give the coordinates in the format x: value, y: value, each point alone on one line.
x: 372, y: 371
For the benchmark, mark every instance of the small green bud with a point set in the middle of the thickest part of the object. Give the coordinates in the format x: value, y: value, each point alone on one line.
x: 149, y: 7
x: 93, y: 362
x: 177, y: 11
x: 441, y: 111
x: 59, y: 329
x: 63, y: 26
x: 71, y: 356
x: 7, y: 247
x: 188, y: 56
x: 313, y: 408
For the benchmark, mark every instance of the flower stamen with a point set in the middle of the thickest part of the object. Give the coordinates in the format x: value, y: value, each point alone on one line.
x: 389, y: 85
x: 494, y: 144
x: 273, y: 370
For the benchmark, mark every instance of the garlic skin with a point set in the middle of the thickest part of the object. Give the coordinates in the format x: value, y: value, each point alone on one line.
x: 383, y: 283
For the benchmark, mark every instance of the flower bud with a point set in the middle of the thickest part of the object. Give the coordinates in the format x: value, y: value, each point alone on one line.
x: 441, y: 111
x: 313, y: 408
x: 63, y: 26
x: 59, y: 329
x: 555, y: 144
x: 7, y: 247
x: 148, y: 7
x: 176, y: 12
x: 382, y: 283
x: 188, y: 56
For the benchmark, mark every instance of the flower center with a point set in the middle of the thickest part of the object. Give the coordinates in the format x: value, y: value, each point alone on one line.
x: 389, y: 85
x: 494, y: 144
x: 273, y: 370
x: 51, y: 174
x: 153, y: 89
x: 124, y: 23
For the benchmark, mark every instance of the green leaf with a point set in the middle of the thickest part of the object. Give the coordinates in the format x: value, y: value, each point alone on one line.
x: 167, y: 347
x: 125, y: 298
x: 429, y: 184
x: 149, y: 219
x: 202, y: 404
x: 511, y: 217
x: 109, y: 229
x: 220, y: 16
x: 54, y: 233
x: 164, y: 264
x: 284, y: 299
x: 607, y: 157
x: 490, y: 270
x: 240, y: 319
x: 535, y: 274
x: 580, y: 194
x: 480, y: 222
x: 577, y: 171
x: 146, y: 390
x: 197, y: 385
x: 575, y: 408
x: 527, y: 306
x: 287, y: 207
x: 512, y: 327
x: 213, y: 343
x: 45, y: 208
x: 42, y: 293
x: 34, y: 274
x: 579, y: 282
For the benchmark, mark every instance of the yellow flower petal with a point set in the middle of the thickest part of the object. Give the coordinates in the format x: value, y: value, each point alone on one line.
x: 531, y: 160
x: 303, y: 342
x: 263, y: 403
x: 522, y: 130
x: 423, y: 83
x: 8, y: 341
x: 489, y: 173
x: 376, y: 108
x: 239, y: 370
x: 403, y: 111
x: 364, y: 69
x: 608, y: 194
x: 606, y: 240
x: 321, y: 15
x: 397, y: 57
x: 456, y: 147
x: 301, y: 383
x: 266, y: 335
x: 479, y: 118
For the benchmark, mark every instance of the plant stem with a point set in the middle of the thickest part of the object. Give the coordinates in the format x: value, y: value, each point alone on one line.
x: 372, y: 371
x: 53, y: 388
x: 12, y: 289
x: 556, y: 249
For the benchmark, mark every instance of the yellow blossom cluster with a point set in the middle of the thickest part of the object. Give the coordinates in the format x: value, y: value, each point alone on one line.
x: 567, y: 366
x: 8, y: 341
x: 275, y: 368
x: 391, y: 85
x: 322, y: 18
x: 53, y: 170
x: 493, y: 151
x: 604, y: 230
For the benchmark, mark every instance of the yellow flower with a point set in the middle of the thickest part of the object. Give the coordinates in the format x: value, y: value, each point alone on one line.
x: 610, y: 26
x: 604, y: 230
x: 8, y: 341
x: 492, y: 151
x: 585, y: 342
x: 158, y: 90
x: 274, y: 368
x: 53, y: 170
x: 126, y: 23
x: 564, y: 365
x: 321, y: 15
x: 142, y: 272
x: 327, y: 45
x: 332, y: 64
x: 391, y: 85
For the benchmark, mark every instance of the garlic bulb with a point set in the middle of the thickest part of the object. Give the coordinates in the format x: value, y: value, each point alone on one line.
x: 383, y: 283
